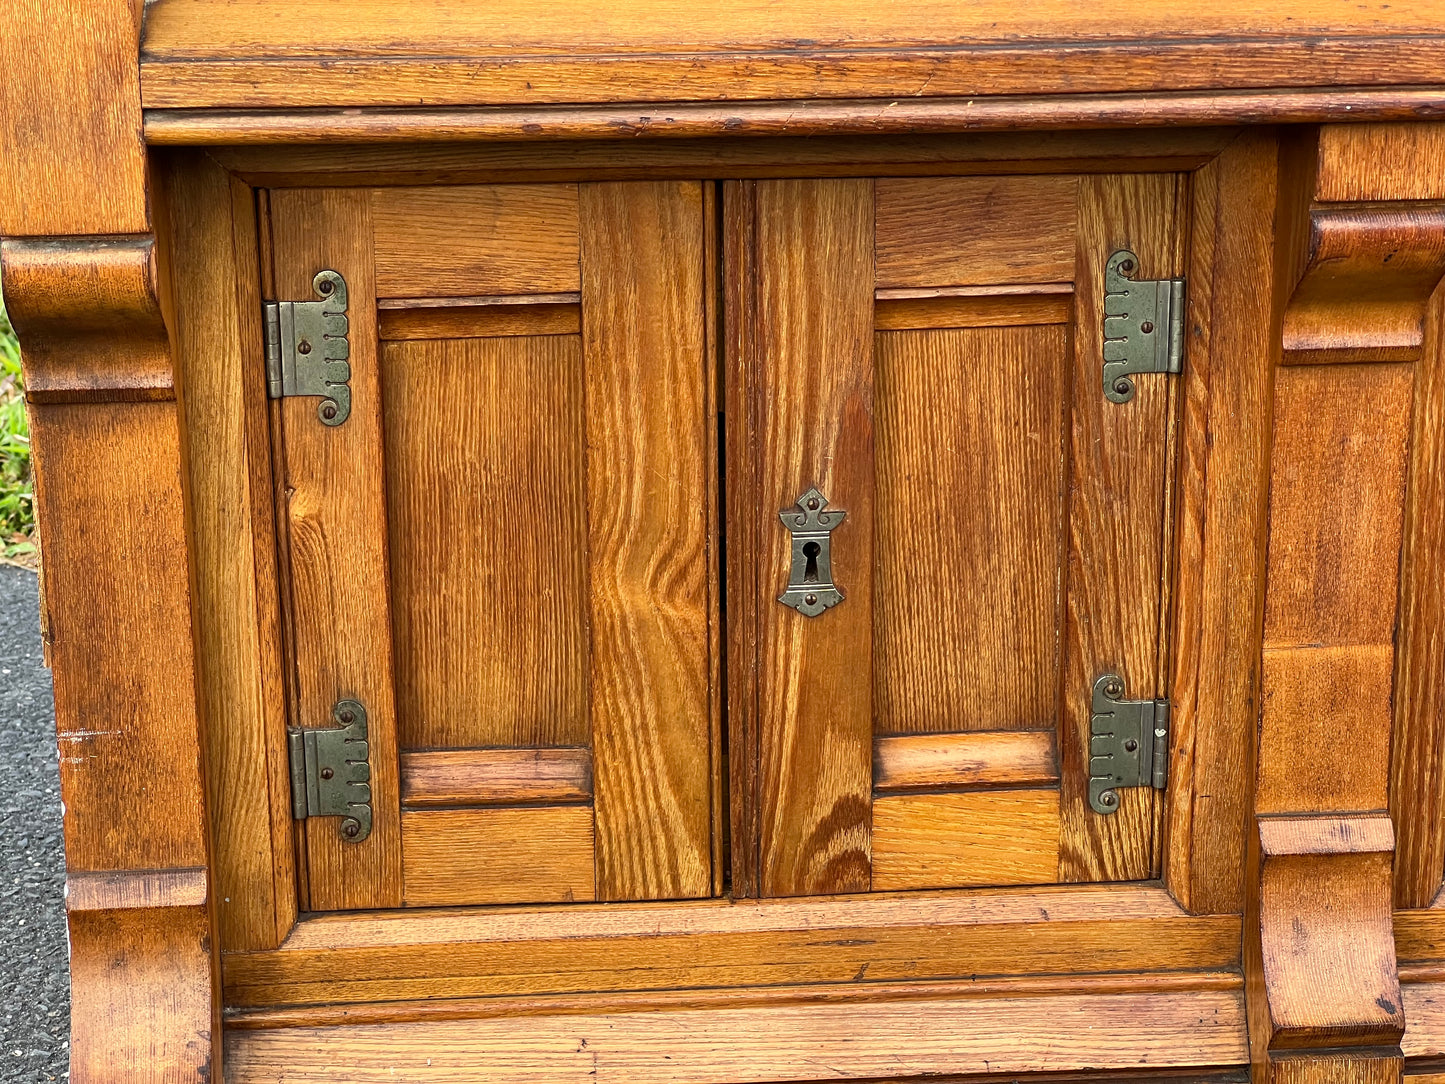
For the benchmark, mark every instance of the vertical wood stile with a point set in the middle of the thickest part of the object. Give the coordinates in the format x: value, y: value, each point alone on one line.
x: 335, y: 514
x: 219, y: 358
x: 813, y: 402
x: 643, y: 344
x: 1223, y: 469
x: 1115, y: 523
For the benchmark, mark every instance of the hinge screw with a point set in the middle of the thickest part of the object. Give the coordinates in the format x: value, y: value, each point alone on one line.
x: 328, y: 411
x: 351, y: 828
x: 1114, y: 689
x: 347, y: 715
x: 303, y: 347
x: 1130, y: 745
x: 327, y: 773
x: 1108, y: 797
x: 1147, y: 326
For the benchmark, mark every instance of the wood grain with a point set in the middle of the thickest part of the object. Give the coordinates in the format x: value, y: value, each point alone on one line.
x: 463, y: 777
x: 902, y: 1039
x: 895, y: 310
x: 336, y: 522
x: 1119, y: 460
x: 813, y: 409
x: 1076, y: 930
x: 1219, y: 529
x: 91, y: 315
x: 488, y: 539
x: 70, y: 121
x: 980, y: 758
x: 1004, y: 837
x: 544, y: 314
x: 972, y: 231
x: 1328, y: 956
x: 1417, y: 749
x: 1359, y: 162
x: 970, y: 509
x: 1341, y: 434
x: 1366, y: 284
x: 214, y: 271
x: 647, y: 439
x: 470, y: 240
x: 488, y: 856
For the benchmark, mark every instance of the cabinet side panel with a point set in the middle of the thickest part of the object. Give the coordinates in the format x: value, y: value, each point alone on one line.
x: 643, y: 345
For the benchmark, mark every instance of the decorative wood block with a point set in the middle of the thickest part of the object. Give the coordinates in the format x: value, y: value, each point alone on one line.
x: 1370, y: 272
x: 1328, y: 950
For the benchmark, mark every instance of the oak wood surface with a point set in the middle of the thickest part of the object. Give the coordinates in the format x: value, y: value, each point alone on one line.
x: 976, y: 758
x: 544, y: 314
x: 464, y: 777
x: 813, y: 407
x: 199, y: 53
x: 902, y: 310
x: 1359, y: 162
x: 1043, y: 116
x: 928, y: 230
x: 1118, y: 464
x: 1417, y: 749
x: 214, y: 271
x: 488, y: 856
x: 70, y: 120
x: 335, y: 518
x: 648, y: 551
x: 970, y: 510
x: 904, y: 1039
x: 487, y: 513
x: 1222, y: 480
x: 353, y: 958
x: 996, y: 837
x: 470, y: 240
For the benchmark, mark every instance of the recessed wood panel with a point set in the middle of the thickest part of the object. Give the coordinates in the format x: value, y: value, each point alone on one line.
x: 967, y: 231
x: 969, y: 528
x: 477, y: 856
x: 967, y: 839
x: 972, y: 306
x: 470, y: 240
x: 487, y: 512
x: 481, y: 317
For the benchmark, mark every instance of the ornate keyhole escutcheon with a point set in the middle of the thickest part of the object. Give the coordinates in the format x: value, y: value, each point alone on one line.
x: 811, y: 589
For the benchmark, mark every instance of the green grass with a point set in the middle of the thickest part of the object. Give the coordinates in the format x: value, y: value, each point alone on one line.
x: 17, y: 503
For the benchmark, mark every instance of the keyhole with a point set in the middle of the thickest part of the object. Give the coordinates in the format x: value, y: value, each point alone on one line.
x: 810, y: 571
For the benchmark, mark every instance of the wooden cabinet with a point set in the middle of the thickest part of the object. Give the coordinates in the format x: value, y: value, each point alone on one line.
x: 741, y: 544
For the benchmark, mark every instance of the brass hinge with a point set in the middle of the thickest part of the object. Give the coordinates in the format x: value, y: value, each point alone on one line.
x: 331, y: 771
x: 1143, y: 326
x: 1128, y: 743
x: 307, y: 350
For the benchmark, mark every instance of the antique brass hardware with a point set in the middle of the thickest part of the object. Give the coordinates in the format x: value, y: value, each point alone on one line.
x: 331, y: 773
x: 1128, y: 743
x: 810, y: 588
x: 1143, y: 326
x: 307, y: 350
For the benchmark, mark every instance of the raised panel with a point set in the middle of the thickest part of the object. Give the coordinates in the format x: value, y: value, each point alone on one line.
x: 969, y: 527
x: 488, y: 519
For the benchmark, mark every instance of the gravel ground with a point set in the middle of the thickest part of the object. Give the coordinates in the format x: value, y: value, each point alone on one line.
x: 34, y: 986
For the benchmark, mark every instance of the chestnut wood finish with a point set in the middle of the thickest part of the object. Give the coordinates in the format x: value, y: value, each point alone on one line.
x: 634, y: 819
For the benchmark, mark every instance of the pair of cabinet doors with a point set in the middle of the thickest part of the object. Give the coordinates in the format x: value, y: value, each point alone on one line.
x: 545, y: 548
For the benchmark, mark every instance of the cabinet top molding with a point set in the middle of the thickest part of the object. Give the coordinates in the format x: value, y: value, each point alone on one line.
x: 1270, y: 60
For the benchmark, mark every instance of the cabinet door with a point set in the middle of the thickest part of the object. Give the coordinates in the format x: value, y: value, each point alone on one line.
x: 503, y: 552
x: 925, y: 356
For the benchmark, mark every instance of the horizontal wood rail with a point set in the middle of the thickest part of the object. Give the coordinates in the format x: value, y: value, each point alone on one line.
x: 233, y: 127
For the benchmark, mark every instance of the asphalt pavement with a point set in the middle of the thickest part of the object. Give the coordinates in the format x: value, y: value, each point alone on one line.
x: 34, y: 986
